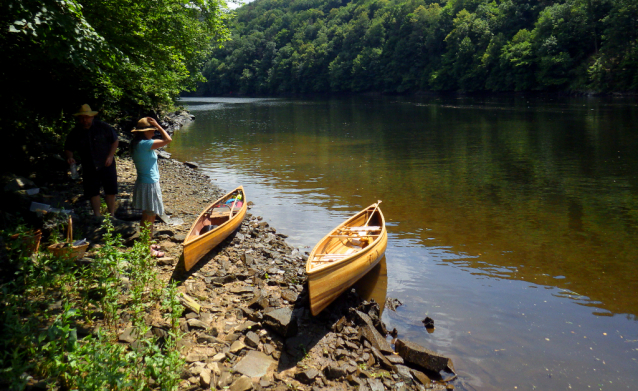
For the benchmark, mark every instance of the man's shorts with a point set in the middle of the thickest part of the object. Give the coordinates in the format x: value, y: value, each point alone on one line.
x: 103, y: 177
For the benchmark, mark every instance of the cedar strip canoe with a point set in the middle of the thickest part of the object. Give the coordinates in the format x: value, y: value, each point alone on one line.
x: 222, y: 222
x: 345, y: 255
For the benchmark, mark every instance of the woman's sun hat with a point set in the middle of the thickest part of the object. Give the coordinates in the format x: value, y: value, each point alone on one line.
x: 86, y: 110
x: 142, y: 126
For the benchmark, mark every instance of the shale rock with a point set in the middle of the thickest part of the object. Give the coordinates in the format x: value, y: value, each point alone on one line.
x: 254, y: 364
x: 418, y: 355
x: 281, y: 321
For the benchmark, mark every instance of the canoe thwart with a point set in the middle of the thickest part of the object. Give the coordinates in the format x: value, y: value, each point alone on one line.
x: 370, y: 228
x: 332, y: 255
x: 350, y: 236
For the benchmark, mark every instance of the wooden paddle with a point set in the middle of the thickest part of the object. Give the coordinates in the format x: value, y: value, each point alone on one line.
x: 232, y: 208
x: 376, y: 206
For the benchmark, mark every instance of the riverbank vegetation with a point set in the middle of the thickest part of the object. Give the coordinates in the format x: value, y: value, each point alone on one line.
x: 60, y: 320
x: 398, y: 46
x: 121, y: 56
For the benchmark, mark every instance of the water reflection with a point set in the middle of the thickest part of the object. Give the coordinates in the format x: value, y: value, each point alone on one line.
x: 469, y: 175
x: 374, y: 285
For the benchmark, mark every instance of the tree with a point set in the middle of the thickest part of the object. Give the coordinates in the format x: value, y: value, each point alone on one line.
x: 116, y: 55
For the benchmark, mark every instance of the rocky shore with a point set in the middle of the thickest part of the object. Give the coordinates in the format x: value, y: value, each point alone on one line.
x: 247, y: 322
x: 251, y: 327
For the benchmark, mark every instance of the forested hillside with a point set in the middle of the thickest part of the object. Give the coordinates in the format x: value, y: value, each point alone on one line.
x: 399, y: 46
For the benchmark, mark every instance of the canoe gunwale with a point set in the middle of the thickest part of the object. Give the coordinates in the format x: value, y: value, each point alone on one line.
x: 190, y: 238
x: 361, y: 253
x: 326, y: 281
x: 193, y: 242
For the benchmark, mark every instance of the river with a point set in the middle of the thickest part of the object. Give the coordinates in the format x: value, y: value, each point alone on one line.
x: 512, y: 220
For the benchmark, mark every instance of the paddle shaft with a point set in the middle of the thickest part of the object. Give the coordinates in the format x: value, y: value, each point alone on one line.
x: 232, y: 208
x: 376, y: 206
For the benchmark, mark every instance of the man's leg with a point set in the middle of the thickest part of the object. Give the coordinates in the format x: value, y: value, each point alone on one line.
x: 108, y: 177
x: 110, y: 203
x: 95, y: 204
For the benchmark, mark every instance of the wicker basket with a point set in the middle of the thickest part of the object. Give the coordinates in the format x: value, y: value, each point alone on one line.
x: 67, y: 250
x: 30, y: 240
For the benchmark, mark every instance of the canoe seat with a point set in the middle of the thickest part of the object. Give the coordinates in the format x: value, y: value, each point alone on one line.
x: 220, y: 213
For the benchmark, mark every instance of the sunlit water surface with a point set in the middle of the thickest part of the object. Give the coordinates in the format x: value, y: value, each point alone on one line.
x: 512, y: 221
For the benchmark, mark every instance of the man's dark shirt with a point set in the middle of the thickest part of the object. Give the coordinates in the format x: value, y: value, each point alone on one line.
x: 93, y: 144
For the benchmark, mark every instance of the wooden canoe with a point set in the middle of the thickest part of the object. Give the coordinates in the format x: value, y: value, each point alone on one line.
x: 345, y: 255
x: 222, y: 221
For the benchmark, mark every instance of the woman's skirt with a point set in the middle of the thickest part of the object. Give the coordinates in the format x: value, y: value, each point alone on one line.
x: 148, y: 196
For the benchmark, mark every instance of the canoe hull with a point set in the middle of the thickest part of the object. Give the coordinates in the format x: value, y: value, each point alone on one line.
x: 197, y: 245
x: 327, y: 282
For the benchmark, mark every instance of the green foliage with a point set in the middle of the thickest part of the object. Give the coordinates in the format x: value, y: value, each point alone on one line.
x: 47, y: 302
x: 116, y: 55
x: 419, y: 45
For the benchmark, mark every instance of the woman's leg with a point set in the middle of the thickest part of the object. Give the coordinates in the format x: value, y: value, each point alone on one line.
x: 148, y: 218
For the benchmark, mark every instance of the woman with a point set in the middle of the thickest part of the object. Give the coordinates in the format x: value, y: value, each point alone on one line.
x: 147, y: 194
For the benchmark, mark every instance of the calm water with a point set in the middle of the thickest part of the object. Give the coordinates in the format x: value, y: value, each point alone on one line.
x: 512, y: 221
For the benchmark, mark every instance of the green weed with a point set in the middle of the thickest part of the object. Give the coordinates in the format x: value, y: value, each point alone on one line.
x: 47, y: 299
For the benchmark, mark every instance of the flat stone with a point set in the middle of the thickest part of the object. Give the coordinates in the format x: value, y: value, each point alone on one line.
x: 334, y: 371
x: 418, y: 355
x: 240, y: 290
x: 258, y: 302
x: 254, y: 364
x: 421, y: 377
x: 392, y: 303
x: 225, y: 379
x: 252, y: 339
x: 403, y: 372
x: 245, y: 326
x: 289, y: 295
x: 394, y: 359
x: 205, y: 338
x: 197, y: 368
x: 376, y: 385
x: 196, y: 357
x: 281, y: 321
x: 129, y: 335
x: 268, y: 349
x: 197, y: 324
x: 237, y: 347
x: 383, y: 360
x: 214, y: 367
x: 166, y: 261
x: 179, y: 238
x: 247, y: 259
x: 232, y: 337
x: 307, y: 376
x: 376, y: 339
x: 219, y: 357
x: 205, y: 377
x: 242, y: 384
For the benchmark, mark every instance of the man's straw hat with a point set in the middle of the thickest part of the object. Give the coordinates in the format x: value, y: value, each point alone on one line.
x: 86, y: 110
x: 142, y: 126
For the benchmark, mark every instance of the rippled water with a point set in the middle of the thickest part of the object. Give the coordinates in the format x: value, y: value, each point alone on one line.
x: 511, y: 221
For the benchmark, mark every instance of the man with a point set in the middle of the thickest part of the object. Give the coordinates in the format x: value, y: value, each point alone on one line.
x: 96, y: 143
